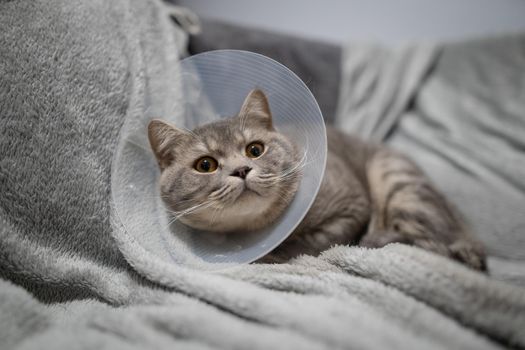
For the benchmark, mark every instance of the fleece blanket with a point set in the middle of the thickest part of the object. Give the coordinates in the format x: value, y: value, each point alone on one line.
x: 464, y: 127
x: 71, y: 73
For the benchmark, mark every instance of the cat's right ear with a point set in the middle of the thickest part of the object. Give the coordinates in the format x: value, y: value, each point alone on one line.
x: 163, y: 138
x: 257, y: 108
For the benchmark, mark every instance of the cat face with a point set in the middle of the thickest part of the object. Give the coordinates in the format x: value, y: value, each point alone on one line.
x: 236, y: 174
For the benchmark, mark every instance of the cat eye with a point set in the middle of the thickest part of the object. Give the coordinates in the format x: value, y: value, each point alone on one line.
x: 254, y: 150
x: 205, y: 165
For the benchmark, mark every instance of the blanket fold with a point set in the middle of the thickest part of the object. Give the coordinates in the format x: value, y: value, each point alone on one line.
x: 71, y: 74
x: 378, y: 84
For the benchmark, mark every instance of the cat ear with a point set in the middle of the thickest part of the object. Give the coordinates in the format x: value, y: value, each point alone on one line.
x: 163, y: 138
x: 256, y: 107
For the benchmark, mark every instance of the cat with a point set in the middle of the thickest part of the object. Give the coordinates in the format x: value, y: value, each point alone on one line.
x: 240, y: 174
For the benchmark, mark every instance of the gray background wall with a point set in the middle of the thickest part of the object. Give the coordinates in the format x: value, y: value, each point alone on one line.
x: 387, y: 21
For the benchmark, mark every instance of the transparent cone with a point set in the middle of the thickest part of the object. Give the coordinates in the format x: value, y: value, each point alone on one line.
x: 207, y: 87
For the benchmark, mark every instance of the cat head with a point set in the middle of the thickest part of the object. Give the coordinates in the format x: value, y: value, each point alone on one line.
x: 235, y: 174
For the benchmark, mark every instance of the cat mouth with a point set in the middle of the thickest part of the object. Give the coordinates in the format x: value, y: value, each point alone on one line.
x: 248, y: 190
x: 242, y: 192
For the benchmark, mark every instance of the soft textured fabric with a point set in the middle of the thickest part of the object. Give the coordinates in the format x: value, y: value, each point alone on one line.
x: 459, y: 111
x: 378, y: 84
x: 71, y: 73
x: 397, y: 297
x: 317, y: 63
x: 468, y: 127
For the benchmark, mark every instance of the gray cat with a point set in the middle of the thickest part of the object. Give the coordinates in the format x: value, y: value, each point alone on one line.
x: 240, y: 174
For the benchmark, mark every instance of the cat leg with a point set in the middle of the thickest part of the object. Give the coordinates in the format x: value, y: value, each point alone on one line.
x: 341, y: 229
x: 339, y: 215
x: 406, y: 208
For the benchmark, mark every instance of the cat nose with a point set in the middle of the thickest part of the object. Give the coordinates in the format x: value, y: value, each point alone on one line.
x: 241, y: 172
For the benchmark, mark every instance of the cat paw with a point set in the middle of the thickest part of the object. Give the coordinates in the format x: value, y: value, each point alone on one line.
x: 378, y: 239
x: 464, y: 251
x: 470, y: 254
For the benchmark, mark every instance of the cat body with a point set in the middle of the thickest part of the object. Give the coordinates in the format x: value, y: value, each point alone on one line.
x: 372, y: 196
x: 240, y: 174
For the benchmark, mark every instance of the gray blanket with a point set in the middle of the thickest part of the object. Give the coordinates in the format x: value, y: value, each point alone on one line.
x: 465, y: 127
x: 71, y: 73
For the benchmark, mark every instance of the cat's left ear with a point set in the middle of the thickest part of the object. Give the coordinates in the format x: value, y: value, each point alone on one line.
x: 164, y: 138
x: 256, y: 108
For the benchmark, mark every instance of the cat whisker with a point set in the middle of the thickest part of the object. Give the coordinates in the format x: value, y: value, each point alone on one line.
x: 283, y: 196
x: 178, y: 215
x: 225, y: 196
x: 218, y: 193
x: 182, y: 202
x: 287, y: 174
x: 302, y: 162
x: 276, y: 181
x: 214, y: 216
x: 190, y: 132
x: 280, y: 178
x: 215, y: 198
x: 192, y: 208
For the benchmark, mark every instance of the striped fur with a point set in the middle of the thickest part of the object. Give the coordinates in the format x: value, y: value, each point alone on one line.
x: 373, y: 196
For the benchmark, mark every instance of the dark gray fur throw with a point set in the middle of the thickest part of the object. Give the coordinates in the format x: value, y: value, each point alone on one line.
x: 71, y: 73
